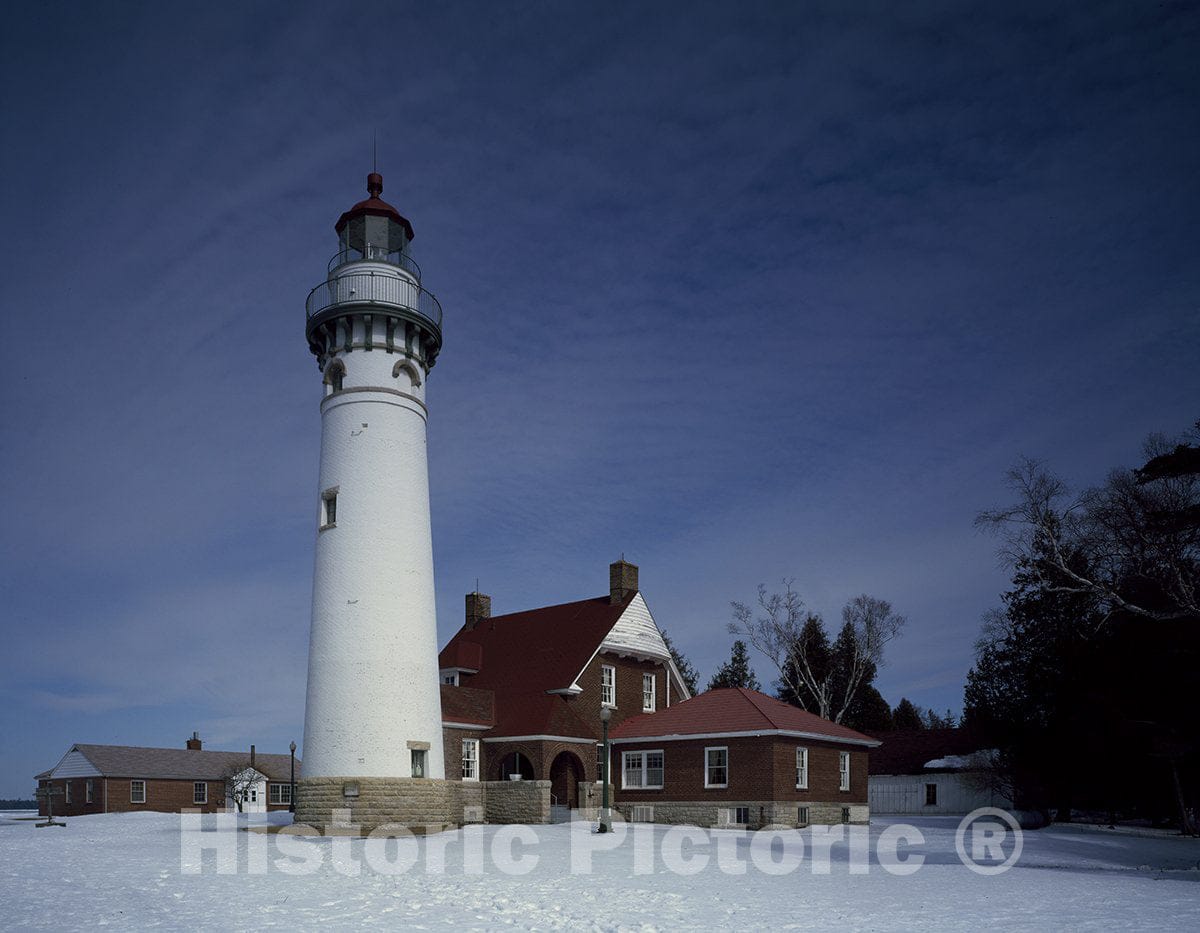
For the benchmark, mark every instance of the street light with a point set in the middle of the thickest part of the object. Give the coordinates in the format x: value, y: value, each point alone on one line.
x: 292, y: 795
x: 605, y: 812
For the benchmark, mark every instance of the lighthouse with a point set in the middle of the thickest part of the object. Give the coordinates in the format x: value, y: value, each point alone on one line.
x: 372, y: 719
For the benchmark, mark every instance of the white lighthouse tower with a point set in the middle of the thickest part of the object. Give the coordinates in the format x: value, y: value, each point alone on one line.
x: 372, y: 721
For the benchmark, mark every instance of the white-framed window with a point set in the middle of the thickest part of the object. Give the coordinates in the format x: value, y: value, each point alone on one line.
x: 329, y: 507
x: 67, y: 792
x: 734, y: 816
x: 418, y: 762
x: 199, y: 792
x: 279, y: 793
x: 801, y: 768
x: 600, y: 759
x: 89, y: 790
x: 450, y: 679
x: 649, y: 690
x: 844, y: 770
x: 642, y: 770
x: 608, y: 685
x: 642, y: 813
x: 716, y: 767
x: 802, y: 816
x: 470, y: 759
x: 137, y: 791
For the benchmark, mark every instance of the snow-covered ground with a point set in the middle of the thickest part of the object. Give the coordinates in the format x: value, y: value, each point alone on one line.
x: 137, y: 871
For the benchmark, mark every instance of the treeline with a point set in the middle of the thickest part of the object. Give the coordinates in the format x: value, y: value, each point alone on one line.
x: 1084, y: 678
x: 18, y: 804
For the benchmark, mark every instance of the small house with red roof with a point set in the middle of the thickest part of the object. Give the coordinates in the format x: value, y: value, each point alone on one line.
x: 736, y: 757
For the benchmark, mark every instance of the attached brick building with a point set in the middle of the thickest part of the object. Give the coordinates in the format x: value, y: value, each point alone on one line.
x: 738, y: 757
x: 124, y: 778
x: 522, y: 696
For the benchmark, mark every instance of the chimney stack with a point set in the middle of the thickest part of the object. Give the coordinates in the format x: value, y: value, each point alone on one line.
x: 622, y: 580
x: 193, y: 744
x: 251, y: 756
x: 479, y: 607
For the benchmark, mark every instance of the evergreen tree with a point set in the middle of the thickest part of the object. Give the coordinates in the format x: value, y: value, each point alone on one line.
x: 870, y: 712
x: 907, y: 715
x: 815, y: 643
x: 683, y: 665
x: 736, y: 672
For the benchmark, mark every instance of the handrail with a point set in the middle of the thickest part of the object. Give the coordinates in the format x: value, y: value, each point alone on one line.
x: 374, y: 253
x: 371, y: 288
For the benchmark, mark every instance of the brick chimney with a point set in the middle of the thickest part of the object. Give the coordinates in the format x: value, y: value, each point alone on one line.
x: 622, y: 580
x: 193, y: 744
x: 251, y: 756
x: 479, y: 607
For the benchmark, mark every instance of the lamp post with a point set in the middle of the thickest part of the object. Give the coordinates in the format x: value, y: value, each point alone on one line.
x: 605, y: 813
x: 292, y: 795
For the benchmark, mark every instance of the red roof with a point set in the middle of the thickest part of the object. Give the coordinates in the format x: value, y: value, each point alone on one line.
x: 906, y: 751
x: 522, y: 655
x: 734, y: 709
x: 543, y: 648
x: 374, y: 205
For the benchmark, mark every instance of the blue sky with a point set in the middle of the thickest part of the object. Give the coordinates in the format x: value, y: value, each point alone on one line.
x: 742, y: 293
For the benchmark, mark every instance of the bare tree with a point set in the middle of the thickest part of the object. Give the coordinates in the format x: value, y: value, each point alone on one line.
x: 794, y: 641
x: 874, y: 624
x: 239, y: 779
x: 1130, y: 543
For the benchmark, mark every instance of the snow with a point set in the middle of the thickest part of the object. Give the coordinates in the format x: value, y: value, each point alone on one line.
x: 974, y: 761
x: 126, y: 871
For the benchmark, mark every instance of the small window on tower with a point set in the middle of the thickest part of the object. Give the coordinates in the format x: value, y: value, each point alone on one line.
x: 335, y: 377
x: 329, y: 508
x: 418, y: 762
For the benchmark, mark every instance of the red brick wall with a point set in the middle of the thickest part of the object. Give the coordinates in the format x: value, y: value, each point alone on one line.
x: 452, y: 750
x: 168, y: 796
x: 629, y: 690
x: 760, y: 768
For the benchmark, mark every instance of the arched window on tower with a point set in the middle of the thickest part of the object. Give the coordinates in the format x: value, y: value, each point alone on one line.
x: 406, y: 374
x: 335, y: 375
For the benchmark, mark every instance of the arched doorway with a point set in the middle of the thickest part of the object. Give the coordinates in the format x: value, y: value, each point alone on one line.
x: 515, y: 763
x: 565, y: 774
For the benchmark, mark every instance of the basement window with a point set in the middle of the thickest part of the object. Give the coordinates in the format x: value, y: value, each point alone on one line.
x: 802, y: 816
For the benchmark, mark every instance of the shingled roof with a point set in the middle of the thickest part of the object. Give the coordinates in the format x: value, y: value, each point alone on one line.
x: 906, y: 751
x: 735, y: 710
x: 179, y: 763
x: 522, y: 648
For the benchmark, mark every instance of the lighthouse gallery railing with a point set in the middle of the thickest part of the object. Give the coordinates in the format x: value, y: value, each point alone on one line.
x: 372, y: 288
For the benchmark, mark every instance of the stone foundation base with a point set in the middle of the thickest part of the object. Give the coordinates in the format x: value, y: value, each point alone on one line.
x: 709, y: 813
x: 428, y: 804
x: 322, y: 803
